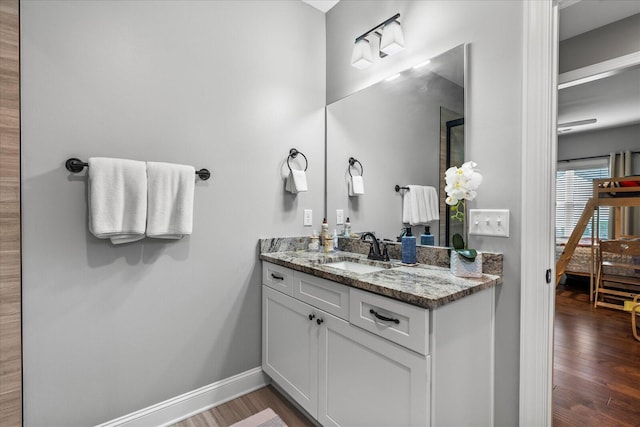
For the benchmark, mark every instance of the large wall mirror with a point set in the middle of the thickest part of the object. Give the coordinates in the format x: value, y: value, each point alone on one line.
x: 404, y: 131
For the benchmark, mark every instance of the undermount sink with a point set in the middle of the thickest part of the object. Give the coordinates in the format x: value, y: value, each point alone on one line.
x: 355, y: 267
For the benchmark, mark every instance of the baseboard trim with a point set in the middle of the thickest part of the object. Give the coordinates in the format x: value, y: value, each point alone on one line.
x: 188, y: 404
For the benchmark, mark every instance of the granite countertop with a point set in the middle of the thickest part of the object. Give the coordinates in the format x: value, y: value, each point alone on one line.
x: 422, y: 285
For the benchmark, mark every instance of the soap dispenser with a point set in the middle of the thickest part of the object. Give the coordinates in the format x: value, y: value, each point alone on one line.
x: 347, y: 228
x: 408, y: 247
x: 427, y: 238
x: 325, y: 238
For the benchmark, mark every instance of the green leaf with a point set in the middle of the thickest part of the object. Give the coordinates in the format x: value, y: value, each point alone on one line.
x: 458, y: 242
x: 469, y: 254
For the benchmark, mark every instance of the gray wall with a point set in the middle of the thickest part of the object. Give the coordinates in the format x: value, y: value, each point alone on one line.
x: 604, y: 43
x: 600, y: 143
x: 110, y: 330
x: 492, y: 125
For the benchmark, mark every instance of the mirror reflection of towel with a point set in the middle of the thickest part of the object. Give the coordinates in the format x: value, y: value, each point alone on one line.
x: 420, y: 205
x: 356, y: 186
x: 296, y: 181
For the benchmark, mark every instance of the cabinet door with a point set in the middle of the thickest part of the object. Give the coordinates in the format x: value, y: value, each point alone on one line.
x: 290, y: 346
x: 366, y: 380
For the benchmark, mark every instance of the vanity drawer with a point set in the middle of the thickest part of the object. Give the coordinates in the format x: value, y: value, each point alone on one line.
x: 326, y: 295
x: 277, y: 277
x: 407, y: 325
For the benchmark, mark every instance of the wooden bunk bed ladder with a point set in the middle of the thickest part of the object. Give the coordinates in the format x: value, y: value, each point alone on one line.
x: 573, y: 241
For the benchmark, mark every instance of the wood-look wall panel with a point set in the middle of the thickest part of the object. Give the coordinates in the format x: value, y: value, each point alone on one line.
x: 10, y: 261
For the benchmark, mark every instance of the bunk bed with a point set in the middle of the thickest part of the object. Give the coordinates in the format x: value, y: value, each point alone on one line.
x: 578, y: 256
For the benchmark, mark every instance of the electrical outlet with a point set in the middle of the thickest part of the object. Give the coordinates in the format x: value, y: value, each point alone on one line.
x: 489, y: 222
x: 339, y: 217
x: 308, y: 218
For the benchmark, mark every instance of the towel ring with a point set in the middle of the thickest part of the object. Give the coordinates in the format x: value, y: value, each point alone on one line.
x: 293, y: 153
x: 74, y: 165
x: 352, y: 162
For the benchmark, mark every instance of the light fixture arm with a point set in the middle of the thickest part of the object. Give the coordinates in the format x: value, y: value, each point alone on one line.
x: 375, y: 31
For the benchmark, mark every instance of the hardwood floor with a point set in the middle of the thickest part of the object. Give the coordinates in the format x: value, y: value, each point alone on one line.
x: 596, y: 363
x: 245, y: 406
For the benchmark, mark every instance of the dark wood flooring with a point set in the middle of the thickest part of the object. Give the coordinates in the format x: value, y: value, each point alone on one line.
x: 245, y: 406
x: 596, y: 363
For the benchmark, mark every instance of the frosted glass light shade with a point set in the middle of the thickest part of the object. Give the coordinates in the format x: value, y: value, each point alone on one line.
x: 392, y: 40
x: 361, y: 57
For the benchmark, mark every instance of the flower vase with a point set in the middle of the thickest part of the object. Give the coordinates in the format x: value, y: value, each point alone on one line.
x: 462, y: 267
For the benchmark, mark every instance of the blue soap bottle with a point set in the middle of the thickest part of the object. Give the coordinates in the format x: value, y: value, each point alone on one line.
x: 427, y: 238
x: 408, y: 247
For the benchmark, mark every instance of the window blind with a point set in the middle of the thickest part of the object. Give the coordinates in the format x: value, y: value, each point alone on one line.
x: 574, y: 187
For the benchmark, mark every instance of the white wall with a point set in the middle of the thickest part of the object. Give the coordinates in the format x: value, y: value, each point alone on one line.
x: 492, y: 124
x: 225, y: 85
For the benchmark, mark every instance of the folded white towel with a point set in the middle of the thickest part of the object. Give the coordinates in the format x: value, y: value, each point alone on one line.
x: 117, y: 199
x: 420, y: 205
x: 170, y: 200
x: 296, y: 181
x: 356, y: 186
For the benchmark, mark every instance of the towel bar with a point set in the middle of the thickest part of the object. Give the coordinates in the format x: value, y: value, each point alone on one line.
x: 76, y: 165
x: 398, y: 188
x: 352, y: 162
x: 293, y: 153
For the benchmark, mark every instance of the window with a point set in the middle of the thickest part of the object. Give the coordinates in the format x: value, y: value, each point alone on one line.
x: 574, y: 187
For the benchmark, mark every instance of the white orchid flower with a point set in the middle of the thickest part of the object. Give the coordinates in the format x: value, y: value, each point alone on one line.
x: 451, y: 201
x: 462, y: 182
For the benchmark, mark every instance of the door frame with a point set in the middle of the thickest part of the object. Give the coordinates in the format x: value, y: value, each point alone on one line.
x: 539, y: 151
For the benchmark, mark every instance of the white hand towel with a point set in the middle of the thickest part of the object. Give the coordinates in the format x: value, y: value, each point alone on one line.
x: 170, y: 200
x: 296, y: 181
x: 117, y: 199
x: 420, y: 205
x: 356, y: 186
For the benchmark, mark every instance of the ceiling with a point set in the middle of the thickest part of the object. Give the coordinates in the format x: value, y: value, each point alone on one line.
x: 613, y: 101
x: 321, y: 5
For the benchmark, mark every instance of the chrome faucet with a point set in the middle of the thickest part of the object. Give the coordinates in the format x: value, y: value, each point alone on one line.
x: 374, y: 248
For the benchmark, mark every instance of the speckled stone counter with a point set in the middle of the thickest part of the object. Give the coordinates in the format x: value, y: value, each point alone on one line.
x: 422, y: 285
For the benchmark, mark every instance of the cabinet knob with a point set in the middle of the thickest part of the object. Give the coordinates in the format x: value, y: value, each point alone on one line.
x: 312, y: 316
x: 319, y: 321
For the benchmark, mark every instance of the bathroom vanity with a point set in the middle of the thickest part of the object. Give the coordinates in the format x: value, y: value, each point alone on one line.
x: 362, y: 343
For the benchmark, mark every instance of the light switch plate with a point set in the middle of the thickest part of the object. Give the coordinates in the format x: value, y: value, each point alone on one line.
x: 339, y: 216
x: 308, y: 218
x: 489, y: 222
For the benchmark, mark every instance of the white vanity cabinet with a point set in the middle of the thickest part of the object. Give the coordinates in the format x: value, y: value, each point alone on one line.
x: 366, y: 380
x: 354, y: 358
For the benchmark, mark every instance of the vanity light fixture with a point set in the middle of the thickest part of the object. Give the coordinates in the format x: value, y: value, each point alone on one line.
x: 391, y: 41
x: 362, y: 57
